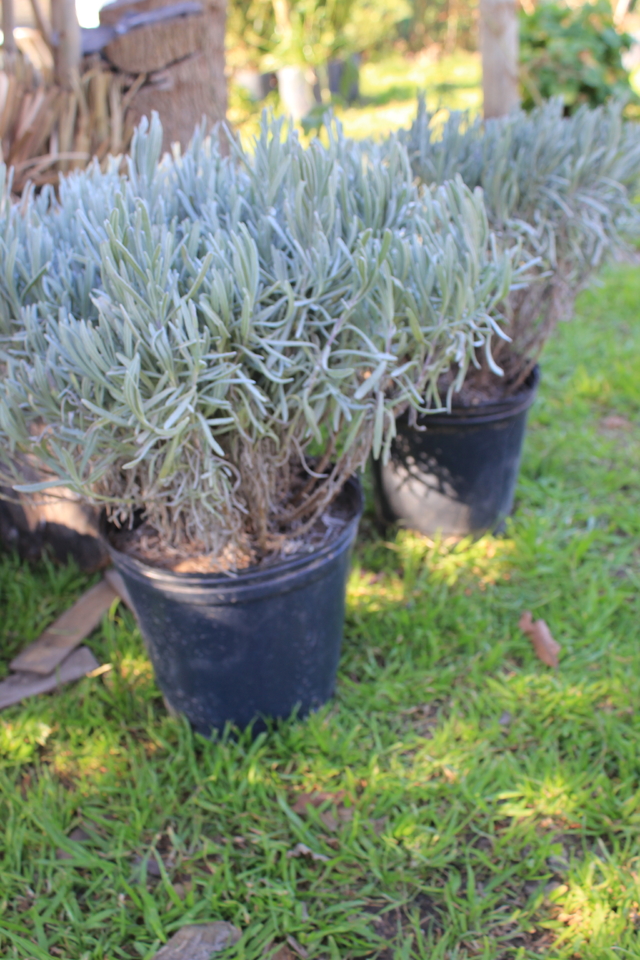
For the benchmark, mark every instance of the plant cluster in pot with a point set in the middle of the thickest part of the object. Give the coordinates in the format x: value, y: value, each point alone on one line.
x: 209, y: 347
x: 562, y: 188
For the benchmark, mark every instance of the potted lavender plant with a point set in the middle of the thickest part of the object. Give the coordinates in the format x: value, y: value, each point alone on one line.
x: 562, y: 189
x: 208, y: 348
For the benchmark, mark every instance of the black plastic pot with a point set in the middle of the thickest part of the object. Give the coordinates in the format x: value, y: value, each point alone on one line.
x: 244, y: 648
x: 458, y: 476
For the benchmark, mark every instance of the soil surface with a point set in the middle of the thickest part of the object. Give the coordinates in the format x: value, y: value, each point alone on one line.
x: 483, y: 387
x: 146, y: 544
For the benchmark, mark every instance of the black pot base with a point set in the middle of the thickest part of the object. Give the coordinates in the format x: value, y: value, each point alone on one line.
x: 456, y: 477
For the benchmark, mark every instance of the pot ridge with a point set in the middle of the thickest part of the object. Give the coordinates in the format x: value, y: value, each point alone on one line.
x: 488, y: 411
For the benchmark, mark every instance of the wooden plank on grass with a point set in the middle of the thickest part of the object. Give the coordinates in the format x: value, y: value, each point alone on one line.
x: 50, y: 649
x: 18, y: 686
x: 114, y: 580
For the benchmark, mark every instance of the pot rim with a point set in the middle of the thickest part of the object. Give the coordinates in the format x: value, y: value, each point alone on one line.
x: 252, y: 576
x: 488, y: 411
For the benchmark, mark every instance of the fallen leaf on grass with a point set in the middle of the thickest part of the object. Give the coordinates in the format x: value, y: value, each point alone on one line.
x: 182, y: 889
x: 615, y: 422
x: 316, y: 799
x: 79, y: 835
x: 199, y: 941
x: 332, y: 842
x: 23, y: 904
x: 302, y: 850
x: 329, y: 821
x: 297, y: 948
x: 283, y: 953
x: 378, y: 824
x: 546, y: 648
x: 153, y: 865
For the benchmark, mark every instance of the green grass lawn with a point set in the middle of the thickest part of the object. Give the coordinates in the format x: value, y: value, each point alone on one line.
x: 467, y: 801
x: 389, y: 89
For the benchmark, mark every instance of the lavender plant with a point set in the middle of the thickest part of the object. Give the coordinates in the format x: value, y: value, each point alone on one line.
x: 564, y: 187
x: 221, y: 341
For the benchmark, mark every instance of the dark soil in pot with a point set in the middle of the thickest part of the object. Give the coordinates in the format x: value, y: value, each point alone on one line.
x: 458, y: 475
x: 250, y: 646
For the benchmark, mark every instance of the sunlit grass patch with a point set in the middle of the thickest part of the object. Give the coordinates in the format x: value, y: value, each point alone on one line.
x: 389, y: 90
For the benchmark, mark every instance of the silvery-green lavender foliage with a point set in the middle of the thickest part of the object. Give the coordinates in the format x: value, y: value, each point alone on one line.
x: 564, y: 186
x: 221, y: 341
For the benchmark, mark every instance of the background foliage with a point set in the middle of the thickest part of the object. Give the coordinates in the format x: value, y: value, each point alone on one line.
x: 326, y: 29
x: 574, y: 52
x: 309, y: 32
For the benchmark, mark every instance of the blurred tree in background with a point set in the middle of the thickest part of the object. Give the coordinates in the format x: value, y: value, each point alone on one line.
x: 448, y: 23
x: 572, y: 52
x: 267, y: 34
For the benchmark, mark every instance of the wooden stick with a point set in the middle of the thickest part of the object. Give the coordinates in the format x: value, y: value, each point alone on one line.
x: 42, y: 23
x: 54, y: 645
x: 499, y: 49
x: 18, y: 686
x: 9, y: 44
x: 68, y: 49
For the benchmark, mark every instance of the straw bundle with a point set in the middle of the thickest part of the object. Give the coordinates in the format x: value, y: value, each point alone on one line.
x: 46, y: 130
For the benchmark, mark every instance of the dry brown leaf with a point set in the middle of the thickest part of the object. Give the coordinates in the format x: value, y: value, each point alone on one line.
x: 329, y: 821
x: 546, y: 648
x: 297, y: 947
x: 615, y: 422
x: 22, y: 904
x: 283, y: 953
x: 199, y: 941
x: 153, y: 864
x: 302, y: 850
x: 332, y: 842
x: 182, y: 889
x: 79, y: 835
x: 316, y: 799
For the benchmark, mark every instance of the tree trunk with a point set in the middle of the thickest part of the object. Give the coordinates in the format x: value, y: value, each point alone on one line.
x: 9, y: 43
x: 499, y: 49
x: 67, y: 49
x: 181, y: 60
